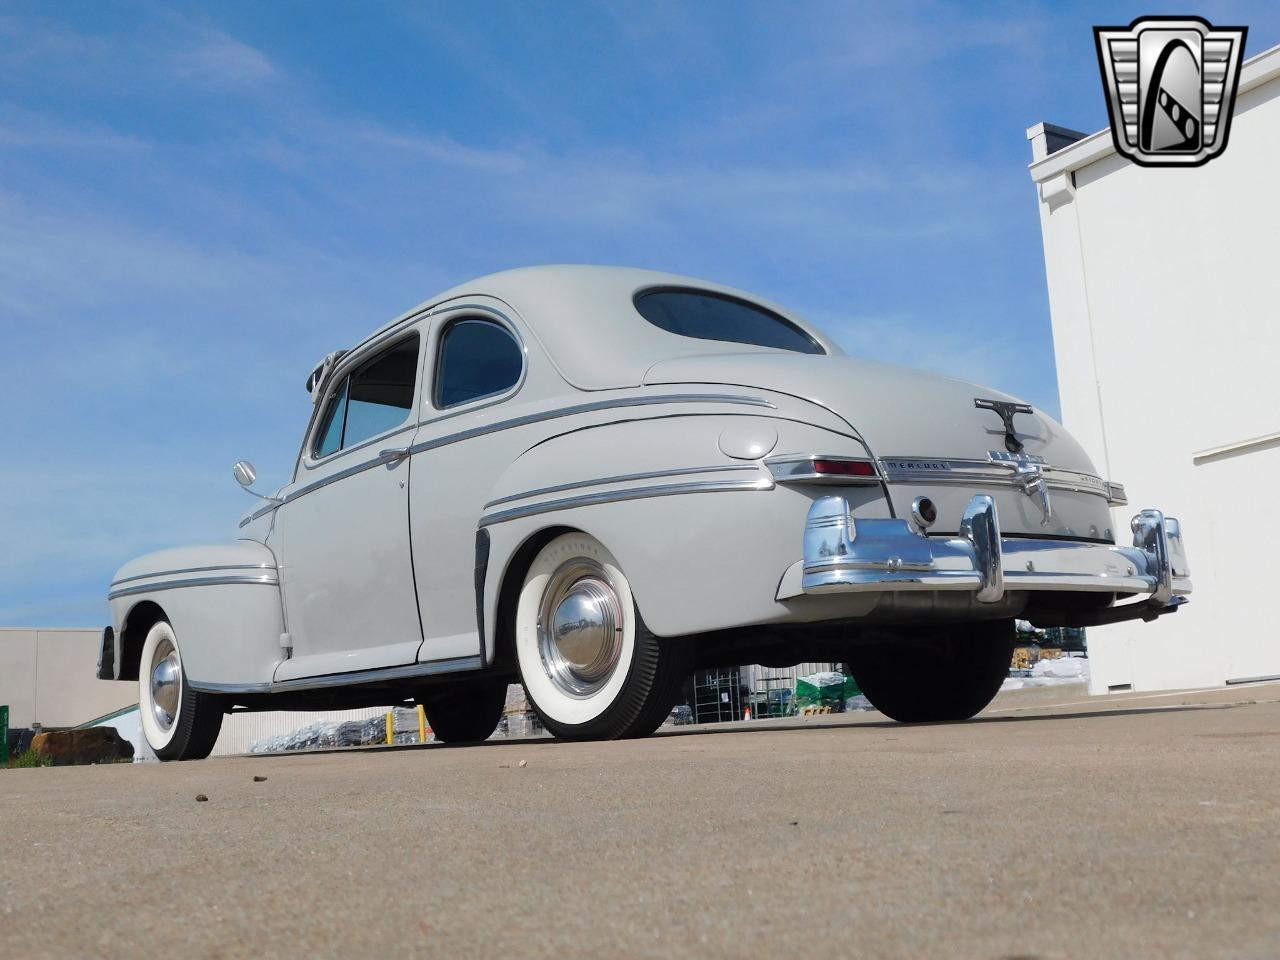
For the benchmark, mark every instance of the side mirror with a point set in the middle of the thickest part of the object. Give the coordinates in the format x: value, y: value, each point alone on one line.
x: 245, y: 476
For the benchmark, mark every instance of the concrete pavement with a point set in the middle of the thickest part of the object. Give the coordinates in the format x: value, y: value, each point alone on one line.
x: 1054, y: 825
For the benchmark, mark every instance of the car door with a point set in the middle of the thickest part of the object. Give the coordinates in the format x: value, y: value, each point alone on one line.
x: 347, y: 576
x: 478, y: 364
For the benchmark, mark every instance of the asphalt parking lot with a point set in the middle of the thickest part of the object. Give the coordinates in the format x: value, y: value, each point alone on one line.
x: 1053, y: 826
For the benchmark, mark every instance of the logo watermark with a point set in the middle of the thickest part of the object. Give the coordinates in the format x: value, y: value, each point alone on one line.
x: 1171, y: 87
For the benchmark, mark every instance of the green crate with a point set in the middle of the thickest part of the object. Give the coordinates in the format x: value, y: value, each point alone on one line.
x: 830, y: 693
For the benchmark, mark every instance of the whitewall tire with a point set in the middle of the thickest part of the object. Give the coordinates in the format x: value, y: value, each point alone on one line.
x: 179, y: 723
x: 590, y: 667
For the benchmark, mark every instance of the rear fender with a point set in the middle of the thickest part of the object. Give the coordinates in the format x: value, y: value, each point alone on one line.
x: 681, y: 516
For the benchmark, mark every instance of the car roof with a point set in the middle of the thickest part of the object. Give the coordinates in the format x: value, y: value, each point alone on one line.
x: 585, y: 318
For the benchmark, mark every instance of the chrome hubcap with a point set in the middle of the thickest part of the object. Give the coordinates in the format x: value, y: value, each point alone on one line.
x: 166, y: 685
x: 580, y: 628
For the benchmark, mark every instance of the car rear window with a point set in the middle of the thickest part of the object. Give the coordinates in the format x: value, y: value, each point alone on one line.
x: 713, y: 316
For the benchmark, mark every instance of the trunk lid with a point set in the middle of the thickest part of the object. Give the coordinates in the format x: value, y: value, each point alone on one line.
x: 929, y: 436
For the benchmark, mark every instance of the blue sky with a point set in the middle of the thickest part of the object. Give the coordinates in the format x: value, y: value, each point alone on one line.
x: 198, y: 202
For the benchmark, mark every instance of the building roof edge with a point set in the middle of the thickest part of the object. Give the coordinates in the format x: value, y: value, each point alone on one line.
x: 1255, y: 71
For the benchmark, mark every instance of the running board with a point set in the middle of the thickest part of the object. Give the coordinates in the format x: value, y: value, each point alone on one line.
x: 355, y: 679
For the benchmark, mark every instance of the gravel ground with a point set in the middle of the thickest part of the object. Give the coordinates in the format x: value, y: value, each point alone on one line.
x: 1053, y: 826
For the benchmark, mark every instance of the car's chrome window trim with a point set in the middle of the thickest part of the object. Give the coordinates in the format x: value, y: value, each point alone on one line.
x: 265, y: 580
x: 341, y: 373
x: 182, y: 570
x: 466, y: 313
x: 632, y: 493
x: 622, y: 478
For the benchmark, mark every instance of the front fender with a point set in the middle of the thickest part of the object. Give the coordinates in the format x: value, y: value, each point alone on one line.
x: 222, y: 600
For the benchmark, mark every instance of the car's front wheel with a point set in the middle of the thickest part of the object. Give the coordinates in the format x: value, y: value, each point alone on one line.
x: 940, y: 675
x: 179, y: 723
x: 590, y: 667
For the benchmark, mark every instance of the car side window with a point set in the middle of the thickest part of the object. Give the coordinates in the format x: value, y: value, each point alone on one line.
x: 329, y: 439
x: 375, y: 397
x: 477, y: 359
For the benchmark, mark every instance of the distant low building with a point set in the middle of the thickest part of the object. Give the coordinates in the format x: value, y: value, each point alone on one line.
x: 48, y: 676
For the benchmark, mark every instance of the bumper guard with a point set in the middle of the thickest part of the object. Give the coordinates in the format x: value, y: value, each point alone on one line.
x: 846, y: 555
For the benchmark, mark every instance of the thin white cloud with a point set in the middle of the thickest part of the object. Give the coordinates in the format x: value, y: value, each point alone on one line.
x: 161, y: 48
x: 218, y: 59
x: 435, y: 149
x: 22, y: 130
x: 27, y: 44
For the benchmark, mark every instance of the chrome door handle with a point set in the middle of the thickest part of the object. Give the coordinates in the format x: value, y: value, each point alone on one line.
x: 393, y: 454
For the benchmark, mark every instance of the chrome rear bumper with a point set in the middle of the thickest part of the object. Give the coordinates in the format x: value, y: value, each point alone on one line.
x: 842, y: 554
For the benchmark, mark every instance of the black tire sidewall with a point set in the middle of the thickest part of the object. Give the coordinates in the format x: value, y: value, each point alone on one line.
x: 952, y: 678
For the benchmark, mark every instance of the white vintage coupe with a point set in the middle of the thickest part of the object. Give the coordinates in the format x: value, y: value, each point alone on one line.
x: 593, y: 480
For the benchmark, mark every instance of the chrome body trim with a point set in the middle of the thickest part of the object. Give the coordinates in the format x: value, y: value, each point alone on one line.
x: 842, y: 553
x: 1000, y: 473
x: 205, y: 687
x: 1115, y: 494
x: 634, y: 493
x: 393, y: 455
x: 269, y: 580
x: 593, y: 406
x: 455, y: 665
x: 390, y: 455
x: 173, y: 573
x: 798, y: 468
x: 621, y: 478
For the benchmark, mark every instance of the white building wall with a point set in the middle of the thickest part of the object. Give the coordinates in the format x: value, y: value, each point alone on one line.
x: 48, y: 675
x: 1164, y: 290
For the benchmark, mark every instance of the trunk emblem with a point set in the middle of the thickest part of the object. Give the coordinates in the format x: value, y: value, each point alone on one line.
x: 1028, y: 474
x: 1005, y: 410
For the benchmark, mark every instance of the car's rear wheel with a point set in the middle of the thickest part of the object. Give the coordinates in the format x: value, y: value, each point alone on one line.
x: 465, y: 711
x: 944, y: 675
x: 590, y: 667
x: 179, y: 723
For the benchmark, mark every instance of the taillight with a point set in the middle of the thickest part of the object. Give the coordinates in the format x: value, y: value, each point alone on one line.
x: 844, y: 468
x: 822, y: 468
